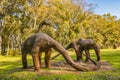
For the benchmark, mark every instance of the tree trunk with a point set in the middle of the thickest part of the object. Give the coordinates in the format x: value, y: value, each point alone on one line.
x: 3, y: 46
x: 114, y: 46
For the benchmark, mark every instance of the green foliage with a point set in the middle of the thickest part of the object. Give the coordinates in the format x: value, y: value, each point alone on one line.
x: 70, y: 21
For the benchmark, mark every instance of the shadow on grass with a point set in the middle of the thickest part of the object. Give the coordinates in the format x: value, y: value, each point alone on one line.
x: 12, y: 70
x: 11, y: 66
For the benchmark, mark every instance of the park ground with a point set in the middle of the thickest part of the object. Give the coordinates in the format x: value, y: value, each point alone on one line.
x: 11, y: 68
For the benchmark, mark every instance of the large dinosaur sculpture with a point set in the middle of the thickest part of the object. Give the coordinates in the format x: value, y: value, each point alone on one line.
x: 40, y: 42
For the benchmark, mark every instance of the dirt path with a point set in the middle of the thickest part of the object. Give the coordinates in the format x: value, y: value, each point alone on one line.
x: 62, y: 67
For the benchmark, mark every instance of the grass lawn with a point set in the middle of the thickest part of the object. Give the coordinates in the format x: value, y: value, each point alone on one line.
x: 10, y: 69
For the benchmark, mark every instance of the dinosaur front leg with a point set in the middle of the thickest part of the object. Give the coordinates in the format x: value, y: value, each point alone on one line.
x: 36, y: 61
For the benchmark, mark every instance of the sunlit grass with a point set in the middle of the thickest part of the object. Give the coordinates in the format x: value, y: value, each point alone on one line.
x: 11, y: 68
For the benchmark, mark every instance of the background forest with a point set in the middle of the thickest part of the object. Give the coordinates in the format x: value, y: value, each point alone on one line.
x: 70, y: 20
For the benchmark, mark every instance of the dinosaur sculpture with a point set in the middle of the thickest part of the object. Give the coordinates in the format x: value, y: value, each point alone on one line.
x: 40, y: 42
x: 86, y: 45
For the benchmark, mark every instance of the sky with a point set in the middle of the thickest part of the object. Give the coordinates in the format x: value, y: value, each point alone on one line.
x: 106, y: 6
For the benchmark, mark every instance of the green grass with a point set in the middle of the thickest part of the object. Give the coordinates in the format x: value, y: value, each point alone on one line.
x: 10, y: 69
